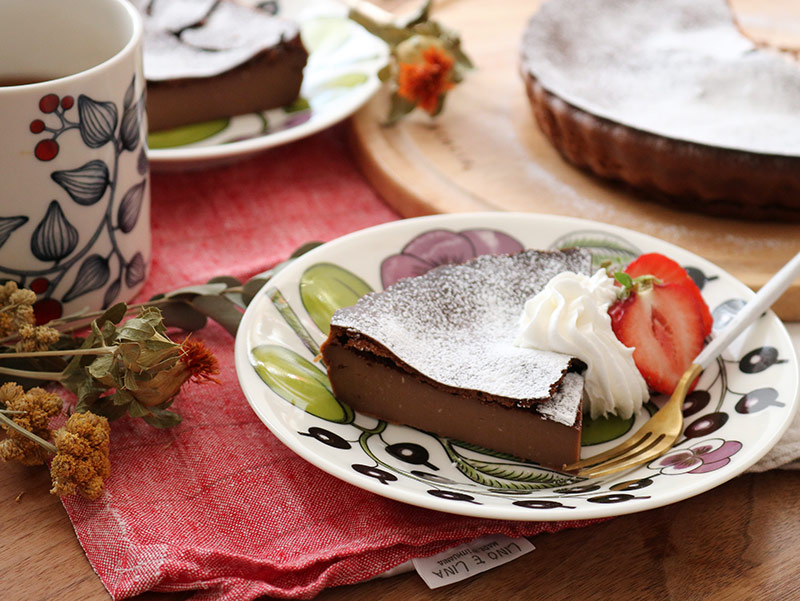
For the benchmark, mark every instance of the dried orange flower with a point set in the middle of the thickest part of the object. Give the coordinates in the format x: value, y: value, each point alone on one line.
x: 199, y: 360
x: 426, y: 82
x: 195, y: 362
x: 81, y: 464
x: 31, y: 410
x: 426, y: 57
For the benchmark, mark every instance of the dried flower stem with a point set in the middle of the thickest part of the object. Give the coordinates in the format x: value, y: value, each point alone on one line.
x: 93, y: 314
x: 48, y: 375
x: 37, y: 439
x: 33, y: 375
x: 102, y: 350
x: 78, y: 321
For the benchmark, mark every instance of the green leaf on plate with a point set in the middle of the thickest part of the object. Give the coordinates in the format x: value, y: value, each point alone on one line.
x: 605, y: 247
x: 325, y: 287
x: 187, y: 134
x: 297, y: 380
x: 292, y: 320
x: 505, y: 478
x: 516, y: 472
x: 324, y: 35
x: 604, y: 429
x: 346, y: 80
x: 299, y: 104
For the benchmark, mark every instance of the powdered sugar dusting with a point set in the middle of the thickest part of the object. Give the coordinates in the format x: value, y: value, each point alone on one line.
x: 675, y: 68
x: 199, y: 38
x: 457, y: 324
x: 563, y: 407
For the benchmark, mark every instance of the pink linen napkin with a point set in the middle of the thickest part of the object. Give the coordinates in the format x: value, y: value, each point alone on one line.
x: 218, y: 504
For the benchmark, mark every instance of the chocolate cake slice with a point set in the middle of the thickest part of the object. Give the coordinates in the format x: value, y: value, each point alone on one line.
x: 211, y: 59
x: 437, y: 352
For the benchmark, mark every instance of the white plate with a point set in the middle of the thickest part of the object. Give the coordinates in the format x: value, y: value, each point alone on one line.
x: 340, y: 76
x: 741, y: 407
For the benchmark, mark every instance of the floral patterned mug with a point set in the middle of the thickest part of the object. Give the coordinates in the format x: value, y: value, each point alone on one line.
x: 74, y: 178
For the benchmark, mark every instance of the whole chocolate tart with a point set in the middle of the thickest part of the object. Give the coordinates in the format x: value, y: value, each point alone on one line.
x: 211, y: 59
x: 669, y: 96
x: 437, y: 352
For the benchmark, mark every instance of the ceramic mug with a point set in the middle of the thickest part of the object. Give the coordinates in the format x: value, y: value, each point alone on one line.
x: 74, y: 178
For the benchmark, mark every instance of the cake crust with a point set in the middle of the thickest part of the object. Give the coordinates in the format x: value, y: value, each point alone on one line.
x: 683, y: 175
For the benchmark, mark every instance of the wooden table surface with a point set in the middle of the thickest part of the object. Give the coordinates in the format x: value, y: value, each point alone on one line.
x: 740, y: 541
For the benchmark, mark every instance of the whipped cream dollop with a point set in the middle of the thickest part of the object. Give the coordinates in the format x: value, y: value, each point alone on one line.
x: 570, y: 315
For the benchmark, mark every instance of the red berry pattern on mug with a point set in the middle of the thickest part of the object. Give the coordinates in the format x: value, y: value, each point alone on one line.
x: 48, y: 103
x: 55, y: 240
x: 46, y: 150
x: 46, y: 310
x: 40, y: 285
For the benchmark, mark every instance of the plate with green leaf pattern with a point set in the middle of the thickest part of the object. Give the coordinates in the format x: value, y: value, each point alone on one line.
x: 340, y: 76
x: 742, y: 405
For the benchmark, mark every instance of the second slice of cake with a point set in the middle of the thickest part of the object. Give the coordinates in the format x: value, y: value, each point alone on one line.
x: 437, y: 352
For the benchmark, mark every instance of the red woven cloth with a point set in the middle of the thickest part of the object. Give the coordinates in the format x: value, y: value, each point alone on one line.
x: 218, y: 504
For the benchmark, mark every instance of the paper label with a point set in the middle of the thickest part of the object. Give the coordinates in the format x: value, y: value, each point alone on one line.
x: 472, y: 558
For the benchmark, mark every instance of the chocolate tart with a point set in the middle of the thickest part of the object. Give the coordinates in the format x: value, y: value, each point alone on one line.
x: 669, y: 97
x: 210, y: 59
x: 437, y: 352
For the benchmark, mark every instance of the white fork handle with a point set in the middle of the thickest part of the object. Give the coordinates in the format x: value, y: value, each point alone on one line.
x: 762, y: 301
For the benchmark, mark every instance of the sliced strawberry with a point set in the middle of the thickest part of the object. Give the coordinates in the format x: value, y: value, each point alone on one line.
x: 664, y: 325
x: 668, y: 271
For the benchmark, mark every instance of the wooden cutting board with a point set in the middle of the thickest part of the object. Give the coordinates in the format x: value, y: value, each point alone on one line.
x: 485, y: 152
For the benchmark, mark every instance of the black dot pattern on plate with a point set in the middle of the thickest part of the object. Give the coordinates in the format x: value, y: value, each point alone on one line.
x: 541, y: 504
x: 453, y: 496
x: 632, y: 484
x: 758, y: 400
x: 695, y: 401
x: 327, y: 437
x: 725, y: 312
x: 759, y: 359
x: 614, y: 498
x: 706, y: 424
x: 412, y: 453
x: 382, y: 476
x: 698, y: 277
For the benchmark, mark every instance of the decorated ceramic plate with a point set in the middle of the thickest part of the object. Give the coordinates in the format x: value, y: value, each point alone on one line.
x: 340, y: 76
x: 739, y: 410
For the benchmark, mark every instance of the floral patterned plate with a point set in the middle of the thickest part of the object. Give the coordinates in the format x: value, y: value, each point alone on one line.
x: 740, y: 409
x: 340, y: 76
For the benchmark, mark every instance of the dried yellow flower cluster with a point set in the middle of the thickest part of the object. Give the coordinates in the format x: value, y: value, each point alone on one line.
x: 82, y: 461
x: 17, y: 319
x: 35, y: 338
x: 36, y: 407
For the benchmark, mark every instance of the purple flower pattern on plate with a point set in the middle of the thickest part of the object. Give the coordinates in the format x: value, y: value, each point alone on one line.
x: 440, y: 247
x: 702, y: 457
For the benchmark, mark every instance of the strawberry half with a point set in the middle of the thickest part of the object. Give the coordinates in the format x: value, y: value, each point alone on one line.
x: 670, y: 272
x: 664, y: 325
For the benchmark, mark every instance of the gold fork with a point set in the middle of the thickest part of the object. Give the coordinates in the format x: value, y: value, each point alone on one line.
x: 661, y: 431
